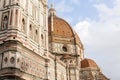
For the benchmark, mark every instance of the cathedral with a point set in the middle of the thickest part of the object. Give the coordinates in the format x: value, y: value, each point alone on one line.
x: 36, y: 44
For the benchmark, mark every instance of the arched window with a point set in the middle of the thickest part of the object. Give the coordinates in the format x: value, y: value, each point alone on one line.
x: 23, y: 24
x: 41, y: 36
x: 42, y: 39
x: 5, y: 18
x: 23, y: 21
x: 36, y: 35
x: 36, y: 32
x: 30, y: 27
x: 30, y: 31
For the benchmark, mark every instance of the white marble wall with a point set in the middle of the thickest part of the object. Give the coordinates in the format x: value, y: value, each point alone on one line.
x: 61, y: 72
x: 57, y: 47
x: 52, y: 70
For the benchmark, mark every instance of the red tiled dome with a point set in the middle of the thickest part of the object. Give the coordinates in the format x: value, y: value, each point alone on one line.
x: 60, y: 30
x: 60, y: 27
x: 88, y: 63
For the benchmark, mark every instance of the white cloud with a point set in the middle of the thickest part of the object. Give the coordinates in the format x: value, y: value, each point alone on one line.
x: 108, y: 23
x: 102, y: 38
x: 84, y: 30
x: 77, y: 2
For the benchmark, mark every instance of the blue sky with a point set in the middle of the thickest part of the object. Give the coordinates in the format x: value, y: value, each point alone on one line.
x: 75, y: 10
x: 97, y: 22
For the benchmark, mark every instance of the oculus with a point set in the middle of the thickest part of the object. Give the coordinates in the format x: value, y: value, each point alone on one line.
x: 64, y: 48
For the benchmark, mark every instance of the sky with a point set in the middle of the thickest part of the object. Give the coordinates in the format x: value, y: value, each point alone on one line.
x: 97, y: 23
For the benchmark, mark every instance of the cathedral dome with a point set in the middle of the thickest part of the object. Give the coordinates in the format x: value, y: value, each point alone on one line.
x: 61, y: 27
x: 88, y: 63
x: 62, y: 38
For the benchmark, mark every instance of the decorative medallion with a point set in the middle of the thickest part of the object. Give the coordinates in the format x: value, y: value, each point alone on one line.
x: 5, y: 59
x: 12, y: 60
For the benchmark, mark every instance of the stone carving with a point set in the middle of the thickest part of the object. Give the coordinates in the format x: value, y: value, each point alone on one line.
x: 5, y: 19
x: 12, y: 60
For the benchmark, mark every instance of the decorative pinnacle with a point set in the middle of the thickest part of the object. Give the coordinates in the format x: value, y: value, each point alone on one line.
x: 52, y: 6
x: 52, y: 10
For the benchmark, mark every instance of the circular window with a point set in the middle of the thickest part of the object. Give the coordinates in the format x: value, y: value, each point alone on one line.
x: 12, y: 60
x: 5, y: 59
x: 64, y: 49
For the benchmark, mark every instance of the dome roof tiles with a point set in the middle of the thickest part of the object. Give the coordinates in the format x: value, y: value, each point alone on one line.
x: 62, y: 29
x: 88, y: 63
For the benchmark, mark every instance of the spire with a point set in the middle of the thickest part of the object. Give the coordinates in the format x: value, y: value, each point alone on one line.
x: 52, y: 6
x: 52, y: 11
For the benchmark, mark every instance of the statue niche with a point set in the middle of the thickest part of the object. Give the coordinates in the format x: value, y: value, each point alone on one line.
x: 5, y: 19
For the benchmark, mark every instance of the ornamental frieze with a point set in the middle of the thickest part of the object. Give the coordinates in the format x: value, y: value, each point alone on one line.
x: 31, y: 67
